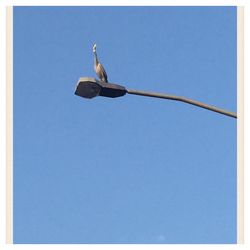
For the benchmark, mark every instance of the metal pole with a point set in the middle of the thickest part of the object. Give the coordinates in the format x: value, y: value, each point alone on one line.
x: 182, y: 99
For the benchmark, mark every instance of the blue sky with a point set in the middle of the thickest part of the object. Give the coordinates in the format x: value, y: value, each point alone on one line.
x: 131, y: 169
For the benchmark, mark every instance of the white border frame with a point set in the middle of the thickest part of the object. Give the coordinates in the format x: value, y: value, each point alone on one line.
x: 240, y: 121
x: 240, y: 125
x: 9, y: 125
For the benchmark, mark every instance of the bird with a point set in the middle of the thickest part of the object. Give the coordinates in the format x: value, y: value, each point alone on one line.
x: 99, y: 69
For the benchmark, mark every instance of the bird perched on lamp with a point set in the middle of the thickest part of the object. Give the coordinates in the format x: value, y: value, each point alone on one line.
x: 99, y: 69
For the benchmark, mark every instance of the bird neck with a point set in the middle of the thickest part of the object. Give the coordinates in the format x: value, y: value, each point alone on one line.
x: 95, y: 58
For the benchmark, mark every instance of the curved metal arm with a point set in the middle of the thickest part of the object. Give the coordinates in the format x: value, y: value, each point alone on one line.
x: 182, y: 99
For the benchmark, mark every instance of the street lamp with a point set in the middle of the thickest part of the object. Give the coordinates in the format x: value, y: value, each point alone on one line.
x: 89, y: 87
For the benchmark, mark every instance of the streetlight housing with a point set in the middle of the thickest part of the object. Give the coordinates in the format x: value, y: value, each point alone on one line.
x: 89, y: 87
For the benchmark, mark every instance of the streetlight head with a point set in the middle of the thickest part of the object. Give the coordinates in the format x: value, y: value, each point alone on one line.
x: 89, y: 87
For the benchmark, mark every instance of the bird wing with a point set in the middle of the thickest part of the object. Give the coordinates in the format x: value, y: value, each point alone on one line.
x: 103, y: 72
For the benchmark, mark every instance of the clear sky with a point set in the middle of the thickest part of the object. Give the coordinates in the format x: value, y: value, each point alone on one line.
x: 131, y: 169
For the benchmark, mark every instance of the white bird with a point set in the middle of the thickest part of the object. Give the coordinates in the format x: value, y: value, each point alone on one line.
x: 99, y: 69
